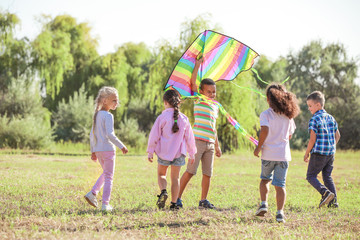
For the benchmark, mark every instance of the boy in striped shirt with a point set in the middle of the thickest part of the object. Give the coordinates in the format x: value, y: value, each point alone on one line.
x: 206, y: 139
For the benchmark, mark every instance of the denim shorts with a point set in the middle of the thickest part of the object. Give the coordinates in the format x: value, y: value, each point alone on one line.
x: 275, y: 171
x: 176, y: 162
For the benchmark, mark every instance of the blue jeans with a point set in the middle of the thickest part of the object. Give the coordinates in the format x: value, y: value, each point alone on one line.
x: 325, y: 164
x: 279, y: 168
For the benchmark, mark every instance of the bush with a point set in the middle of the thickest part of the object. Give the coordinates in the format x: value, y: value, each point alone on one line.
x: 130, y: 134
x: 24, y: 122
x: 73, y: 120
x: 28, y: 132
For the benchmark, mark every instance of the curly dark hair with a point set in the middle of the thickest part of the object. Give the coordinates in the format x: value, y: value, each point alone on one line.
x: 282, y: 101
x: 173, y: 98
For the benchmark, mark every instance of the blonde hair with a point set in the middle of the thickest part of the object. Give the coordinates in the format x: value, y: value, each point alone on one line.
x: 103, y: 94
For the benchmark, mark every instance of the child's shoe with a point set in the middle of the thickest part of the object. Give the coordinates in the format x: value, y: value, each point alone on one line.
x: 326, y: 198
x: 333, y: 203
x: 91, y: 199
x: 174, y: 206
x: 263, y: 208
x: 179, y: 202
x: 106, y: 208
x: 162, y: 199
x: 280, y: 218
x: 206, y: 204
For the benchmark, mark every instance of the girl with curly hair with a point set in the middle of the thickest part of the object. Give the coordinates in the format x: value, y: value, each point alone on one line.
x: 277, y: 126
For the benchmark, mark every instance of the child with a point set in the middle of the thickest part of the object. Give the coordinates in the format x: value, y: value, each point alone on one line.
x: 277, y: 127
x: 206, y: 138
x: 324, y: 135
x: 170, y: 138
x: 102, y: 143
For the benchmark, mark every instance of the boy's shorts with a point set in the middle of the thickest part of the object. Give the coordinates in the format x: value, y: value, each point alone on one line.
x: 178, y: 162
x: 205, y: 153
x: 279, y: 168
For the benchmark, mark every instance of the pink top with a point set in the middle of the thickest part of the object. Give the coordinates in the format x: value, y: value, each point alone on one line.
x: 168, y: 145
x: 276, y: 146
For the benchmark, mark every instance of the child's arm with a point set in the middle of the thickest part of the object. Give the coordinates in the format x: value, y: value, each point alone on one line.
x: 110, y: 133
x: 193, y: 85
x: 190, y: 142
x: 154, y: 137
x: 218, y: 152
x: 93, y: 156
x: 310, y: 146
x: 337, y: 136
x: 264, y: 131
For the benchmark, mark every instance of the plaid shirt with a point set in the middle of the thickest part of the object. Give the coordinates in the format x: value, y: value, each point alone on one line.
x: 325, y: 126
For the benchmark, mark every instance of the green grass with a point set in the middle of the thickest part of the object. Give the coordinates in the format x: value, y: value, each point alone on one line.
x: 41, y: 196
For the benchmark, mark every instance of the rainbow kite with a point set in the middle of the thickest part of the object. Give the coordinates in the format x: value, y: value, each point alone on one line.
x: 224, y: 58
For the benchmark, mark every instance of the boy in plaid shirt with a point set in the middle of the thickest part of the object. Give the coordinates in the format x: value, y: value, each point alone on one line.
x: 324, y: 135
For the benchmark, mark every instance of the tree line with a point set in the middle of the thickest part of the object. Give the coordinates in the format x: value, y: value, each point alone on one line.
x: 48, y: 85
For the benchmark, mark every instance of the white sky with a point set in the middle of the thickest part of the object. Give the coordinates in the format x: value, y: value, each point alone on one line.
x: 270, y: 27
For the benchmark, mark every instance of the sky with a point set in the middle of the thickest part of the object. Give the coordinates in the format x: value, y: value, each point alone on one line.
x: 270, y: 27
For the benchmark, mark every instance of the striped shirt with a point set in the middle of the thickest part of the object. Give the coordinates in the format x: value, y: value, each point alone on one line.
x: 205, y: 121
x: 325, y: 127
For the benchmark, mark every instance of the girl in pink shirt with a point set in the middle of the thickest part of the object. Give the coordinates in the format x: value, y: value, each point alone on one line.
x: 171, y: 138
x: 277, y: 126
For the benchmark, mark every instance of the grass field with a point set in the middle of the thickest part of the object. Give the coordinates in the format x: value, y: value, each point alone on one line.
x: 41, y: 196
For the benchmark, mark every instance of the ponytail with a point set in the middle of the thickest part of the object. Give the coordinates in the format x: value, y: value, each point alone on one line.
x: 173, y: 98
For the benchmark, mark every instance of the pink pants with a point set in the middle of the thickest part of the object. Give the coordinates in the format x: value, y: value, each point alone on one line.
x: 107, y: 162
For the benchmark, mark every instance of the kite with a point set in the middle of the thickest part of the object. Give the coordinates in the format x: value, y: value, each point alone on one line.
x: 224, y: 58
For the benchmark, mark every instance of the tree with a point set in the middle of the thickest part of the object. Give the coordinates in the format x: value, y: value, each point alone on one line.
x: 63, y: 54
x: 15, y: 59
x: 329, y: 70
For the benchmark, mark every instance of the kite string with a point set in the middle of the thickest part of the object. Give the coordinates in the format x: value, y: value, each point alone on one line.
x: 251, y: 89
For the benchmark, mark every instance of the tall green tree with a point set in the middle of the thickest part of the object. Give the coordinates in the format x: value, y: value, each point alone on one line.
x: 63, y: 54
x: 15, y: 54
x: 329, y: 70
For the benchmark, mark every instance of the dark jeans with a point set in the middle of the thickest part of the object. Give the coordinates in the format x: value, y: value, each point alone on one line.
x: 325, y: 164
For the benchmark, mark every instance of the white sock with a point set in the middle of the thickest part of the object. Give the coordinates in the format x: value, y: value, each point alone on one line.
x: 264, y: 202
x: 280, y: 212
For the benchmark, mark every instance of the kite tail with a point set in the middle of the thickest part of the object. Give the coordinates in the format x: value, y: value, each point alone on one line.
x: 251, y: 89
x: 257, y: 75
x: 230, y: 119
x: 237, y: 126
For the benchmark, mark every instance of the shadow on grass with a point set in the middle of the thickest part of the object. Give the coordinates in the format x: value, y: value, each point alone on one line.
x: 170, y: 225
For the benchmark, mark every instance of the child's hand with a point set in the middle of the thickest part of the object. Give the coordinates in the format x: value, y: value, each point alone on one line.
x: 306, y: 157
x: 124, y: 150
x: 191, y: 160
x: 257, y: 151
x: 93, y: 157
x: 218, y: 152
x: 150, y: 159
x: 199, y: 61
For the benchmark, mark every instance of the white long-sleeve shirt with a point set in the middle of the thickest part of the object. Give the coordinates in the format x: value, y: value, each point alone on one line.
x: 104, y: 132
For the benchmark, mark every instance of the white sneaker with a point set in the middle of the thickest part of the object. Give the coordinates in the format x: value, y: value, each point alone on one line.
x: 106, y: 208
x: 91, y: 199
